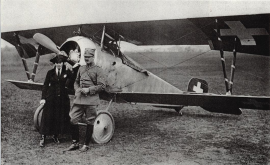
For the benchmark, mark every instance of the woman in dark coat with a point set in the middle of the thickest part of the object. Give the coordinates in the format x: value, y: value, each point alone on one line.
x: 55, y: 118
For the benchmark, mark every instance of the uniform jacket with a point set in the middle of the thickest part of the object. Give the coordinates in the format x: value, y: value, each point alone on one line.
x: 91, y: 77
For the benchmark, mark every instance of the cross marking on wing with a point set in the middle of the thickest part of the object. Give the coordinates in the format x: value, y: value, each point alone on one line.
x: 244, y: 34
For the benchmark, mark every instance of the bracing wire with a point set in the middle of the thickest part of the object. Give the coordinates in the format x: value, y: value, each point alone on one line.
x: 168, y: 67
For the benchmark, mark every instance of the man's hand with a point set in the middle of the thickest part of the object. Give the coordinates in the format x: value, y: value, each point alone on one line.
x: 89, y: 91
x: 85, y: 91
x: 92, y: 90
x: 79, y: 90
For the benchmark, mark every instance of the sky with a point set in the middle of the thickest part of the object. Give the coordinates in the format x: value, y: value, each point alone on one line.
x: 31, y: 14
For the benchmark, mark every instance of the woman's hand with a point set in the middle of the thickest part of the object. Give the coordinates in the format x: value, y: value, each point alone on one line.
x: 75, y: 65
x: 42, y: 101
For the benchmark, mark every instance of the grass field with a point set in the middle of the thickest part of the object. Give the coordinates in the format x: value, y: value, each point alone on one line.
x: 144, y: 134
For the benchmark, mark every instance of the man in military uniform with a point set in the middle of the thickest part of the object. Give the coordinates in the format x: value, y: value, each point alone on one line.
x: 89, y: 82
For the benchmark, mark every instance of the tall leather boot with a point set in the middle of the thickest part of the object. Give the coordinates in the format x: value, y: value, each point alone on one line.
x: 75, y: 132
x: 42, y: 141
x: 75, y: 138
x: 88, y: 135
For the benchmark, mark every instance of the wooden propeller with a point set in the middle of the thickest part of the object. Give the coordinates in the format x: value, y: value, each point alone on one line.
x: 49, y: 44
x: 46, y: 42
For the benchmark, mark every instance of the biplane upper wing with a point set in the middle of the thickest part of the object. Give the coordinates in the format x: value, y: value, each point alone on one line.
x: 30, y: 46
x: 158, y: 32
x: 252, y: 32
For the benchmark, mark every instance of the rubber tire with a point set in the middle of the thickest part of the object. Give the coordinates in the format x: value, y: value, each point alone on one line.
x: 110, y: 126
x: 37, y: 116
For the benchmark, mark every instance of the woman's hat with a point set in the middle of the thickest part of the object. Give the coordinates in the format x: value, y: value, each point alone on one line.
x: 60, y: 57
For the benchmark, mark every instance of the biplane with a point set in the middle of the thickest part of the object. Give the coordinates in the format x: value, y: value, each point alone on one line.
x: 129, y: 82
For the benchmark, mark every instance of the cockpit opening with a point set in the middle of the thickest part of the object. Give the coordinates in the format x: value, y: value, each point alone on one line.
x: 73, y: 50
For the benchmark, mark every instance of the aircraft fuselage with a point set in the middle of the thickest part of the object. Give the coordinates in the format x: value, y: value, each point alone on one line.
x: 120, y: 77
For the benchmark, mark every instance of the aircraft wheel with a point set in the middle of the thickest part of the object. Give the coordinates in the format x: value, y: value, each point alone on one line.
x: 103, y: 127
x: 38, y: 115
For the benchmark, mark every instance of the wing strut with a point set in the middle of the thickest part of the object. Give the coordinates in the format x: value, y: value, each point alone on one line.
x: 233, y: 66
x: 102, y: 39
x: 228, y: 84
x: 110, y: 44
x: 22, y: 54
x: 35, y: 66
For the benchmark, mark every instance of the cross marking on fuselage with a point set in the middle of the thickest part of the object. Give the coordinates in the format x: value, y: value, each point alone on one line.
x: 198, y: 88
x: 244, y: 34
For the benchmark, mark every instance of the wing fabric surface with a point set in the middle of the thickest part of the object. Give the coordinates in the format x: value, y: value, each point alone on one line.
x: 203, y: 100
x: 31, y: 85
x: 163, y: 32
x: 210, y: 102
x: 27, y: 85
x: 252, y: 31
x: 57, y: 34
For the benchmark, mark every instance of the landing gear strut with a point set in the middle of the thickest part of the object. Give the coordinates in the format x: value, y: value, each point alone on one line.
x: 178, y: 110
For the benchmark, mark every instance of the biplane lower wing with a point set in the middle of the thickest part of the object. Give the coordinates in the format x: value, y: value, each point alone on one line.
x: 31, y: 85
x: 27, y: 85
x: 211, y: 102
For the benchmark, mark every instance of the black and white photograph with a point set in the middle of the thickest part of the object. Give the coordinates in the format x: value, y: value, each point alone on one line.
x: 152, y: 82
